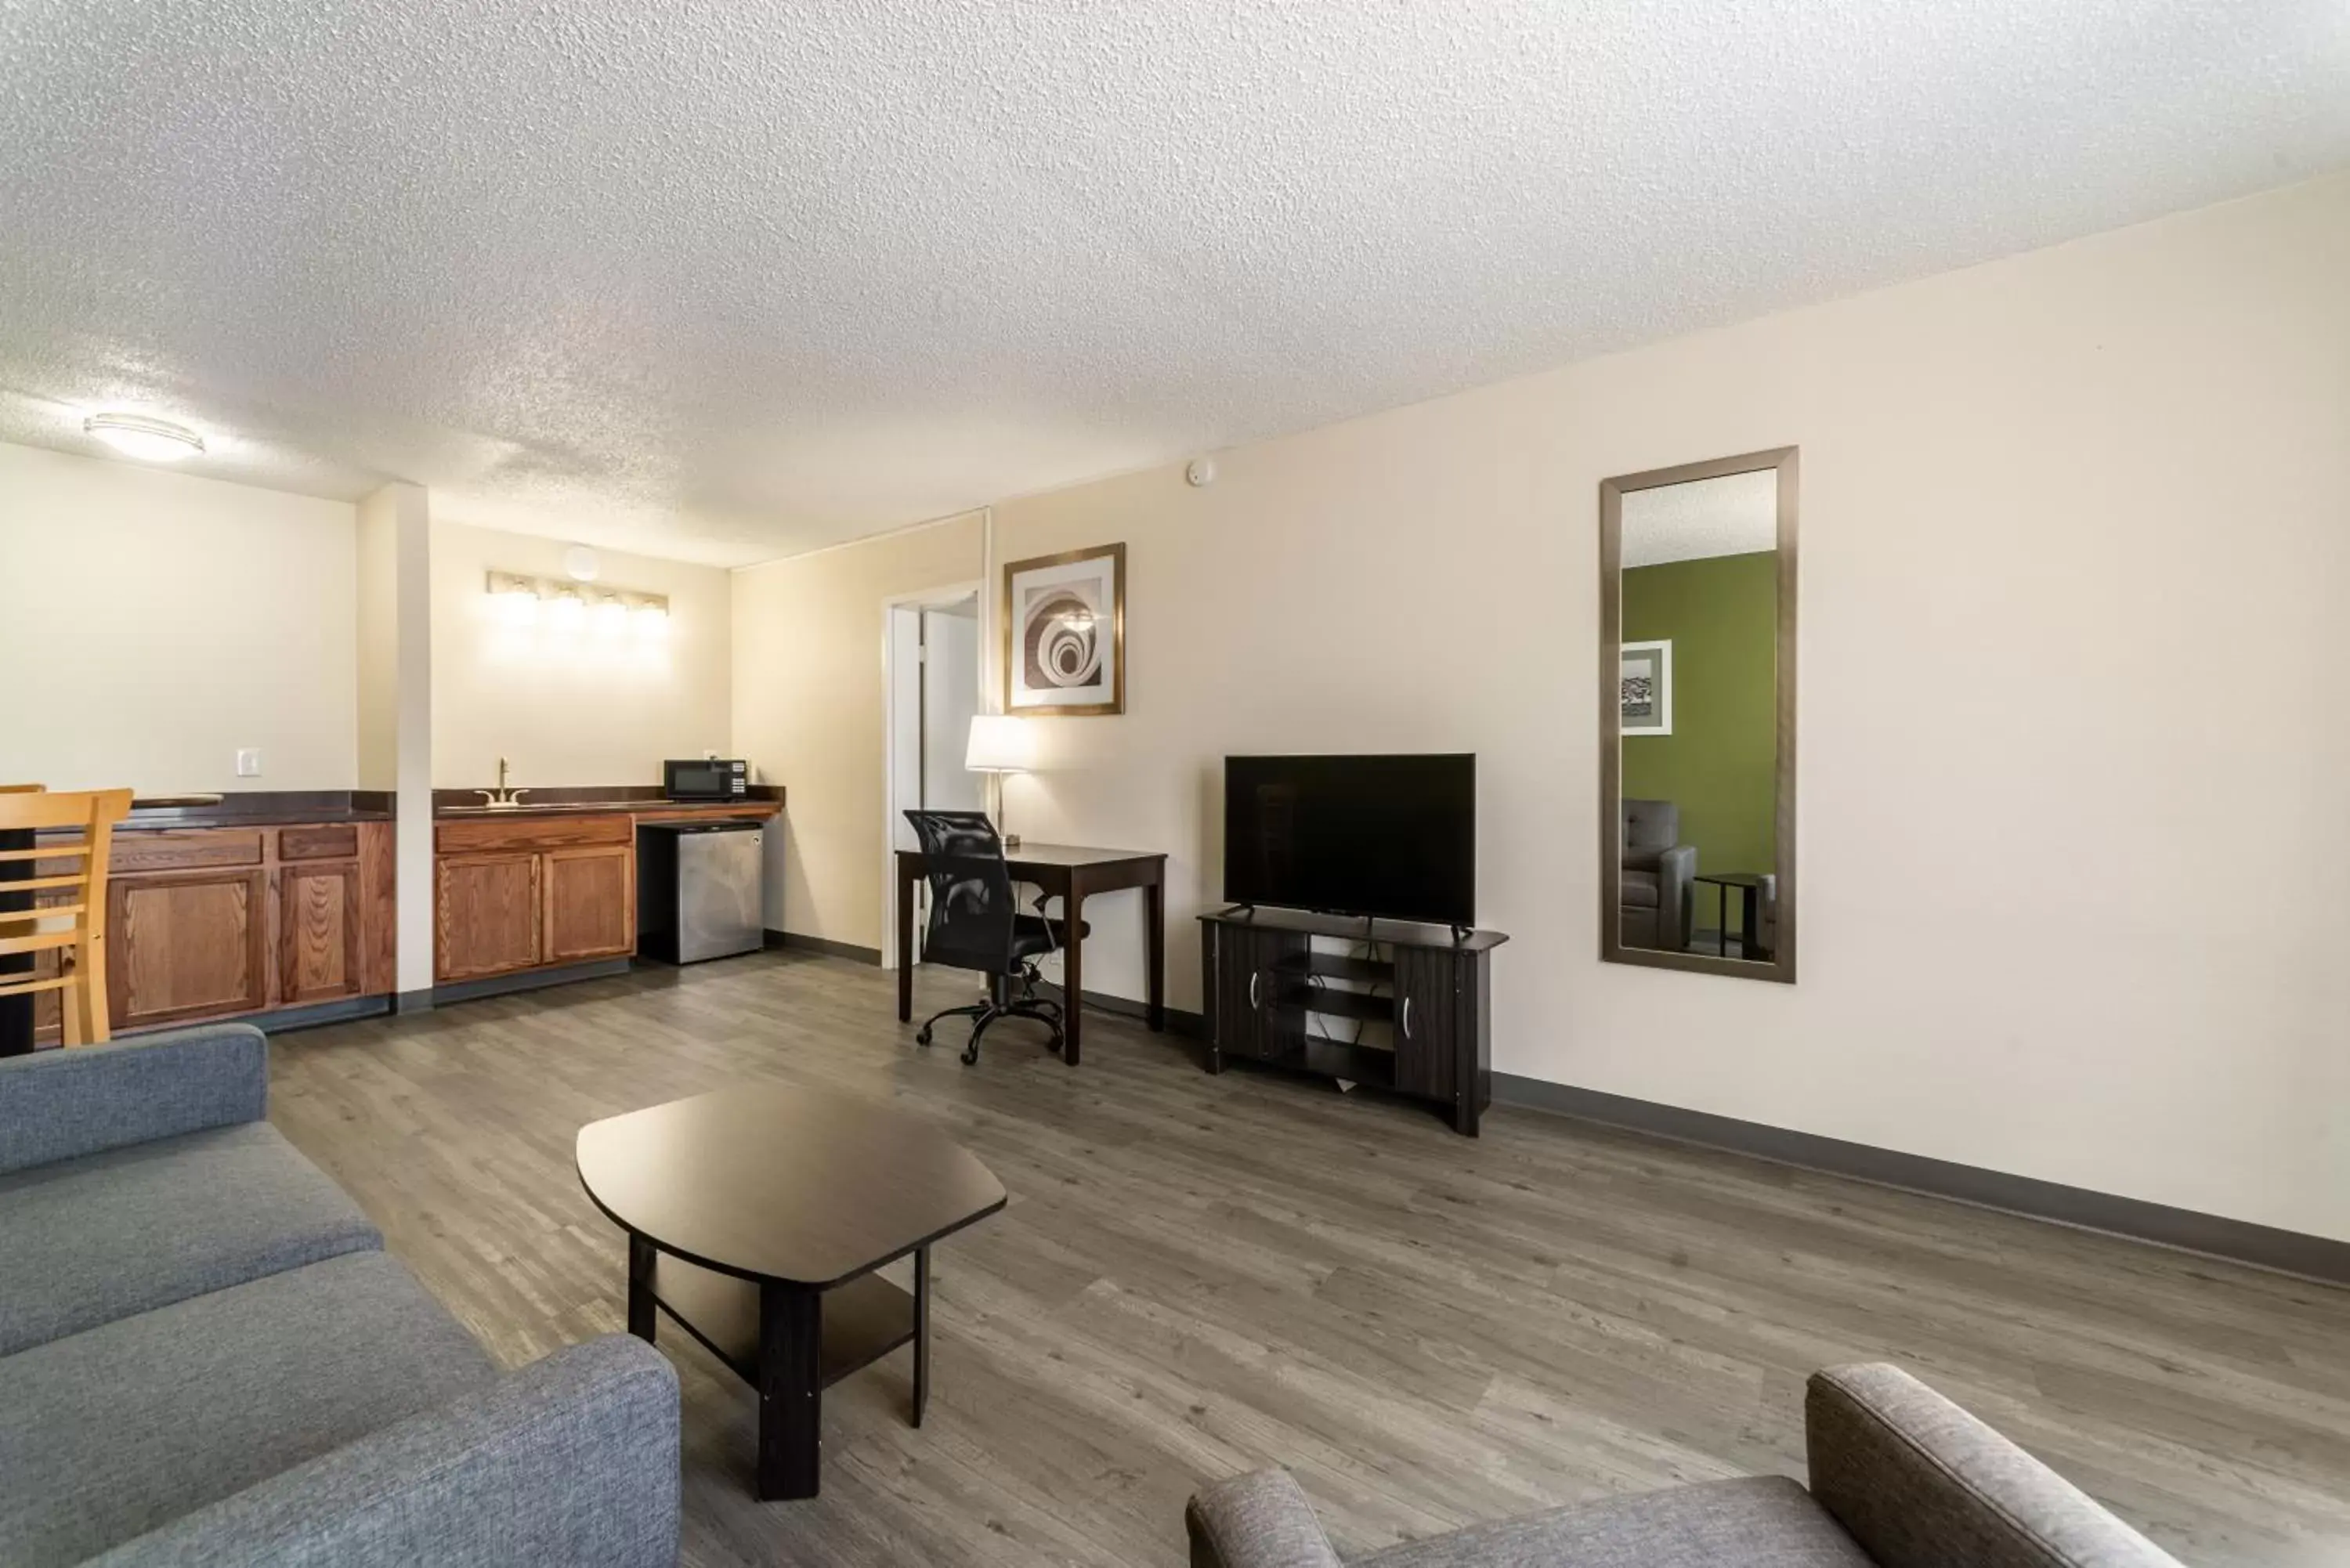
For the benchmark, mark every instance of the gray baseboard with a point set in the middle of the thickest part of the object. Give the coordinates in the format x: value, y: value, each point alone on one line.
x: 527, y: 980
x: 2186, y: 1230
x: 316, y: 1014
x: 1178, y: 1020
x: 799, y: 943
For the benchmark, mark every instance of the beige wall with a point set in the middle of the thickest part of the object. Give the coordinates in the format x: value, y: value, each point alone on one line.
x: 571, y: 708
x: 170, y: 620
x: 2075, y: 546
x: 807, y: 714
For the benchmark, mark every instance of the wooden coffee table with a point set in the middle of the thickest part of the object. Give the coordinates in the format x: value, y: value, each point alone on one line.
x: 756, y: 1217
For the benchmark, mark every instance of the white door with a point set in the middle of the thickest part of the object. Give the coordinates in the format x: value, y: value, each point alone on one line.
x: 933, y: 692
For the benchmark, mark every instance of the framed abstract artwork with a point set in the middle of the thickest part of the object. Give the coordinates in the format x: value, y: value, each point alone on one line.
x: 1646, y: 690
x: 1065, y: 633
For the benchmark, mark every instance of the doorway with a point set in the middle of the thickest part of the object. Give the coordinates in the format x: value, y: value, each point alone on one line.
x: 932, y: 667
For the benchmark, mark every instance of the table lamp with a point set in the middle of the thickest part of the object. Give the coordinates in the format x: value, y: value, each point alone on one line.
x: 1000, y: 744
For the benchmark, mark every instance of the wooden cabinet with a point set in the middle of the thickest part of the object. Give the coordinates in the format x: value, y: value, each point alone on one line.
x: 1243, y: 989
x: 485, y: 914
x: 1427, y: 1021
x: 1410, y: 1011
x: 186, y: 945
x: 590, y: 903
x: 218, y: 922
x: 524, y: 893
x: 320, y: 920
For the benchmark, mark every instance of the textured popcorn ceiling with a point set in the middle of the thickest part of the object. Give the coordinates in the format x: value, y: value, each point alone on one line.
x: 1736, y: 514
x: 729, y: 278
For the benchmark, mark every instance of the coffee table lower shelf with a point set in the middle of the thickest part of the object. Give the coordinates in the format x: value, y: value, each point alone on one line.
x: 852, y: 1325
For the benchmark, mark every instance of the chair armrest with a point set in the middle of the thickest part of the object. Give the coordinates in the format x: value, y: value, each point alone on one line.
x: 1920, y: 1483
x: 61, y: 1105
x: 1256, y: 1521
x: 572, y: 1459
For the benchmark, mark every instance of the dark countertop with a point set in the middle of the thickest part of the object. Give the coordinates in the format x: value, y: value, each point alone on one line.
x: 263, y: 808
x: 598, y: 800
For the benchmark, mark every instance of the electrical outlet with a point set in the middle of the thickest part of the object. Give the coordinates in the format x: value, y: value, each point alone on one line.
x: 248, y: 761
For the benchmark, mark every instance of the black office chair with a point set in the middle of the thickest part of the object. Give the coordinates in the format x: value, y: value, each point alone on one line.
x: 976, y: 924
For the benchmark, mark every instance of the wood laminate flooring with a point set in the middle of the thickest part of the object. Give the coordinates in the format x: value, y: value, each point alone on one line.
x: 1197, y: 1275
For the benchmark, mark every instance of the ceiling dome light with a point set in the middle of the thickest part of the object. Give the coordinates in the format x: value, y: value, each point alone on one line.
x: 134, y: 435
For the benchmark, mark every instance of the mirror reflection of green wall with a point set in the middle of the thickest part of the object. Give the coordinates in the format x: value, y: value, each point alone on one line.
x: 1721, y: 615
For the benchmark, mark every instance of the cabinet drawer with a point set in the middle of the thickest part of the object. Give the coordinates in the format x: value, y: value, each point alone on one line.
x: 338, y: 842
x: 490, y: 836
x: 184, y: 848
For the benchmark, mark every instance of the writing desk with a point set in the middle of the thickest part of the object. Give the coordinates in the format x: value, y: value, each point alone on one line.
x: 1069, y: 872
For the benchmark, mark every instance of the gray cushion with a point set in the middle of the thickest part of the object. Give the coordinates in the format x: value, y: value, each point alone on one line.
x: 1766, y: 1522
x: 1638, y: 890
x: 61, y: 1105
x: 1923, y: 1484
x: 107, y: 1434
x: 92, y: 1239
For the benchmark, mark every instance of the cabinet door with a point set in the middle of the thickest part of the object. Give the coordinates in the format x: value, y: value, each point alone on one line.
x: 185, y: 945
x: 1427, y: 1027
x: 319, y: 922
x: 486, y: 915
x: 591, y: 902
x: 1250, y: 1020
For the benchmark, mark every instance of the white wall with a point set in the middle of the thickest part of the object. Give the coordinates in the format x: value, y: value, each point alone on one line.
x: 395, y: 623
x: 170, y: 620
x: 807, y: 714
x: 571, y: 708
x: 2075, y: 546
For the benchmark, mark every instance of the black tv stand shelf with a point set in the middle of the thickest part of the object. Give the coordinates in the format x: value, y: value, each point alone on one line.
x: 1429, y: 988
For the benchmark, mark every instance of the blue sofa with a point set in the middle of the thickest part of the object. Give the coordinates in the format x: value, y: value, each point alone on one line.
x: 206, y: 1356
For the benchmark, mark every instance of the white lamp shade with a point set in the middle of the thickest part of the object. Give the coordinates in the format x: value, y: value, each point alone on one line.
x: 1000, y: 744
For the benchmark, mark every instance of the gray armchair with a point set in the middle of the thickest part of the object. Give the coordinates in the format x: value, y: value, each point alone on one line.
x: 1659, y: 877
x: 1900, y: 1477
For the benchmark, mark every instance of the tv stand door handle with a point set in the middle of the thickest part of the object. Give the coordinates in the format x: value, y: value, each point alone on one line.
x: 1252, y: 1001
x: 1407, y: 1017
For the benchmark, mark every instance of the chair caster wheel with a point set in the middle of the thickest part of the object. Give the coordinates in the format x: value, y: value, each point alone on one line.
x: 971, y: 1055
x: 922, y: 1035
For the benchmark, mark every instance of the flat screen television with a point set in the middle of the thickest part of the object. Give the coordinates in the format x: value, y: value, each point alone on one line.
x: 1391, y: 836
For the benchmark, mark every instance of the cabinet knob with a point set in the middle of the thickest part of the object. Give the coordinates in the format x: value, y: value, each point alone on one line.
x: 1407, y: 1017
x: 1252, y: 980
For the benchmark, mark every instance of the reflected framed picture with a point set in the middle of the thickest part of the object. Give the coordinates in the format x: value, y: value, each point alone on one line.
x: 1647, y: 691
x: 1065, y: 633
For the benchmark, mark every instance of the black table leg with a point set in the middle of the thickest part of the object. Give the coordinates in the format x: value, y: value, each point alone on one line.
x: 921, y: 1331
x: 791, y: 1338
x: 1155, y: 935
x: 640, y: 1288
x: 1073, y: 969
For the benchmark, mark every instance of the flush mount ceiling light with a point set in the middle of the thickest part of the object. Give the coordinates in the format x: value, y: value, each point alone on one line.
x: 135, y: 435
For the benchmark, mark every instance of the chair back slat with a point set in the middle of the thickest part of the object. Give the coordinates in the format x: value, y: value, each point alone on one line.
x: 74, y: 928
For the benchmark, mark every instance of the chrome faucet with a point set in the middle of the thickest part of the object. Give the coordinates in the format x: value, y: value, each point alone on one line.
x: 502, y: 795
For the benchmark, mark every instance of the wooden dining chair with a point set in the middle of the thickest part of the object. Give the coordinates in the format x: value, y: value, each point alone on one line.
x: 80, y: 939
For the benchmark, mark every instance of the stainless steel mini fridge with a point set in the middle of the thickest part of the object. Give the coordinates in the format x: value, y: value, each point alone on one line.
x: 700, y: 889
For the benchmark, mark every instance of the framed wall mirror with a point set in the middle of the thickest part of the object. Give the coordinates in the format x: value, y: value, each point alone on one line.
x: 1697, y: 721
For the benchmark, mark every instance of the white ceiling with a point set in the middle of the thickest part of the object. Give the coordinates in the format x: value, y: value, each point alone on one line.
x: 1736, y: 514
x: 725, y: 279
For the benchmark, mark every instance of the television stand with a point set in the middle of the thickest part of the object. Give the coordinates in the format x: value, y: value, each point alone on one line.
x: 1270, y: 997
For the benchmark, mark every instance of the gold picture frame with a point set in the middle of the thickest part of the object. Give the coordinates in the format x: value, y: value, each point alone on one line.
x: 1056, y: 660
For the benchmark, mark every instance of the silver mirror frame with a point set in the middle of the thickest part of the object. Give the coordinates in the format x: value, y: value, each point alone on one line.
x: 1781, y: 966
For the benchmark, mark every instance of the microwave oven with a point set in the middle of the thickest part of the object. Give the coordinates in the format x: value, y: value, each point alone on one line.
x: 710, y: 779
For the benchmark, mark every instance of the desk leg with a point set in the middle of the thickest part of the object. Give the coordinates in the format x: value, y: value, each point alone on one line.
x: 1073, y: 969
x: 791, y: 1338
x: 640, y: 1288
x: 904, y: 950
x: 921, y: 1332
x: 1154, y: 937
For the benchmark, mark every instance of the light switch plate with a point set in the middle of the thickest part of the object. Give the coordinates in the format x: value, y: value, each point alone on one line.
x: 248, y: 761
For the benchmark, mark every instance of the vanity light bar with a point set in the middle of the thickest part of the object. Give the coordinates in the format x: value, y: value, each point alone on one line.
x: 517, y: 585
